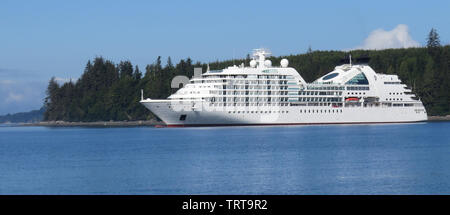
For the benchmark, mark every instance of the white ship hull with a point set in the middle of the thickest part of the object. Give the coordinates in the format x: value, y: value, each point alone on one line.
x: 171, y: 113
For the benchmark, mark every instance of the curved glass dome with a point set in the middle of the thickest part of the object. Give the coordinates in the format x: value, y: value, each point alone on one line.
x: 330, y: 76
x: 359, y: 79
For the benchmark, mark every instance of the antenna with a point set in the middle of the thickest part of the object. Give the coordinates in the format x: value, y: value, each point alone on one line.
x: 350, y: 57
x: 233, y: 57
x: 260, y: 55
x: 207, y: 68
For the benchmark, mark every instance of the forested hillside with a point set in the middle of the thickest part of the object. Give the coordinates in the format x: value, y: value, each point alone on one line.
x: 109, y: 91
x: 32, y: 116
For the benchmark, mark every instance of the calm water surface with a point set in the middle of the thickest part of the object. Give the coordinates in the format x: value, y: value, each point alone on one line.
x: 335, y: 159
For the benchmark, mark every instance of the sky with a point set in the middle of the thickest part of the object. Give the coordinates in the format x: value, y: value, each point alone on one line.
x: 41, y: 39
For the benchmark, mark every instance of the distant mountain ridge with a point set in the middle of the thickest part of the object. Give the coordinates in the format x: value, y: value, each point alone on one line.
x: 31, y: 116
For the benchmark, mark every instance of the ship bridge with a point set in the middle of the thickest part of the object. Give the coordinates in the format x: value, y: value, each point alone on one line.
x: 349, y: 74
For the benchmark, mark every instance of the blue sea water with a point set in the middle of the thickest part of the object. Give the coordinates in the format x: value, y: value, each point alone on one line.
x: 334, y: 159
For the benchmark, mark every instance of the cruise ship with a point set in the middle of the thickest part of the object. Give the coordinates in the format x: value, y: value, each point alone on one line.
x: 262, y: 94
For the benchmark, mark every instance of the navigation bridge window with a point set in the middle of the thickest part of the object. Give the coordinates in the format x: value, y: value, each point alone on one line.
x: 358, y: 88
x: 359, y: 79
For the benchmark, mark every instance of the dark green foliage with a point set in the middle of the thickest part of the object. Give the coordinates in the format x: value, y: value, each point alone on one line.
x: 125, y: 69
x: 433, y: 39
x: 433, y: 43
x: 107, y: 91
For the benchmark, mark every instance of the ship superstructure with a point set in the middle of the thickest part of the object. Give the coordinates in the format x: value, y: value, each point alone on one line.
x: 262, y: 94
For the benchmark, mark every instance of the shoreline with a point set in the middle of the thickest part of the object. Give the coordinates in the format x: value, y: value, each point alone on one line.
x: 95, y: 124
x: 142, y: 123
x: 438, y: 118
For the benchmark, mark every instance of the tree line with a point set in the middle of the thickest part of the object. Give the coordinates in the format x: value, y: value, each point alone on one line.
x: 31, y: 116
x: 108, y: 91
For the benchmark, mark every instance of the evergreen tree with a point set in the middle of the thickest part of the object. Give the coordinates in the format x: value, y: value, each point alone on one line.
x: 169, y: 63
x: 125, y: 69
x: 137, y: 74
x: 433, y: 39
x: 309, y: 50
x: 50, y: 102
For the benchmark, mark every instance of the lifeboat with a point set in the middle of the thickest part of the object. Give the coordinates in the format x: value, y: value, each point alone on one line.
x: 352, y: 99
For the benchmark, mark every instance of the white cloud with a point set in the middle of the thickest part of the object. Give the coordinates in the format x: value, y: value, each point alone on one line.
x: 21, y: 96
x: 396, y: 38
x: 64, y: 80
x: 14, y: 97
x: 61, y: 80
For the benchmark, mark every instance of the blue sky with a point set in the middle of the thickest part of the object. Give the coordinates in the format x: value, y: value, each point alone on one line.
x: 40, y: 39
